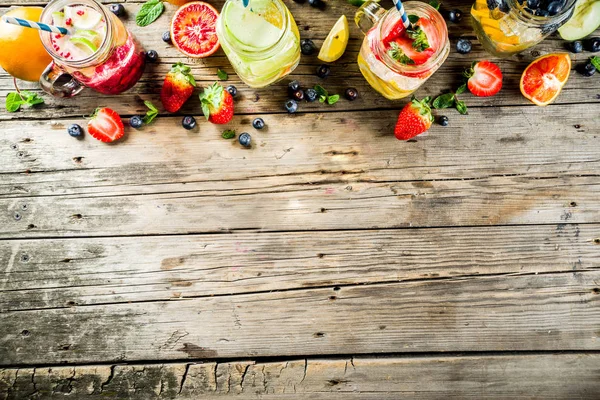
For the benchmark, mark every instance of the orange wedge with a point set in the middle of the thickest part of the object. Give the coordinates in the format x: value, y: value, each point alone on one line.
x: 544, y: 78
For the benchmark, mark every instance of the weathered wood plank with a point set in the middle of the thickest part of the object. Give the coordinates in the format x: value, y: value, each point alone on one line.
x: 315, y: 25
x: 494, y: 313
x: 554, y: 376
x: 58, y: 273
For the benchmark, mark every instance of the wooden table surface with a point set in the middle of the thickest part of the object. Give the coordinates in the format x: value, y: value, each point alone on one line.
x: 328, y: 261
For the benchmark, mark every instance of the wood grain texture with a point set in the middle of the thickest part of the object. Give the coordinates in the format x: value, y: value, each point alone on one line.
x: 315, y: 25
x: 557, y: 376
x: 64, y: 273
x: 494, y: 313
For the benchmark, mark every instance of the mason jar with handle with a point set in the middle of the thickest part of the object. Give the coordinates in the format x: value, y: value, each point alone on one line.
x: 507, y: 27
x: 99, y: 52
x: 260, y: 38
x: 390, y: 64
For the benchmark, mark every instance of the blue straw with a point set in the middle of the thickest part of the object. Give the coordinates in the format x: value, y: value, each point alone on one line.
x: 35, y: 25
x: 402, y: 12
x: 245, y: 2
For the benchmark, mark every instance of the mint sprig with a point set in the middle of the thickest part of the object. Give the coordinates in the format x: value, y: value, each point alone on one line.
x: 222, y: 74
x: 450, y: 99
x: 151, y: 113
x: 149, y: 12
x: 228, y: 134
x: 15, y: 100
x: 595, y: 60
x: 324, y: 96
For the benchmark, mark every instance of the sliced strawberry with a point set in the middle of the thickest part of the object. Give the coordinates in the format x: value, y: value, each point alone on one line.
x: 394, y: 32
x: 418, y: 57
x: 106, y: 125
x: 177, y: 88
x: 485, y: 78
x: 217, y: 104
x: 414, y: 119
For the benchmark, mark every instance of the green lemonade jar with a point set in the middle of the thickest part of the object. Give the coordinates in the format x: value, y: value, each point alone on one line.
x: 261, y: 40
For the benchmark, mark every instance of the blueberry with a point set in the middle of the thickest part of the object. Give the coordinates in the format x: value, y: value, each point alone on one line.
x: 117, y: 9
x: 533, y: 4
x: 232, y: 90
x: 245, y: 139
x: 323, y: 71
x: 454, y: 16
x: 307, y: 47
x: 188, y: 122
x: 499, y: 4
x: 351, y: 93
x: 298, y: 95
x: 310, y: 95
x: 151, y: 56
x: 586, y: 69
x: 592, y: 44
x: 463, y: 46
x: 443, y: 120
x: 293, y: 86
x: 575, y: 47
x: 555, y: 7
x: 258, y: 123
x: 540, y: 12
x: 75, y: 130
x: 166, y: 37
x: 299, y: 1
x: 320, y: 4
x: 291, y: 106
x: 136, y: 121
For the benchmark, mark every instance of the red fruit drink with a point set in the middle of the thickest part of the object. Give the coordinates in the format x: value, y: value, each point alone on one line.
x: 99, y: 52
x: 397, y: 60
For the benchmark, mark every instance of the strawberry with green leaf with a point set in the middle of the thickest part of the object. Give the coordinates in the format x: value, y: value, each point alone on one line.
x: 177, y: 88
x: 217, y: 104
x: 414, y: 119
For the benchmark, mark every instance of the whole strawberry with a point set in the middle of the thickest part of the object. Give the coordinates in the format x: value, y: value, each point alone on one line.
x: 217, y: 104
x: 177, y: 87
x: 414, y: 119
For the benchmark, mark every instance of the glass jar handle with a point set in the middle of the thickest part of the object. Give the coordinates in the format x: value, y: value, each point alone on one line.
x: 368, y: 15
x: 58, y: 83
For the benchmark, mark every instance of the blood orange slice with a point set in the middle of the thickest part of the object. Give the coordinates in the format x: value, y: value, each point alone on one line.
x: 193, y: 29
x: 544, y: 78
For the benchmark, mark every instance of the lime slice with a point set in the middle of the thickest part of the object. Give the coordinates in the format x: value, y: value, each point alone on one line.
x: 84, y: 44
x: 585, y: 20
x: 249, y: 28
x: 83, y: 17
x: 92, y: 36
x: 58, y: 19
x: 335, y: 43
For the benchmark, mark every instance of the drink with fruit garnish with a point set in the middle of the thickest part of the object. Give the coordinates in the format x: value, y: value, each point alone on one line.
x: 261, y: 40
x: 507, y: 27
x: 396, y: 60
x: 99, y: 52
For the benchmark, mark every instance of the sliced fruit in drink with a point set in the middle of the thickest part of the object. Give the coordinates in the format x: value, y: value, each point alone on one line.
x: 84, y: 44
x: 82, y: 17
x: 544, y: 78
x: 58, y: 18
x: 193, y: 29
x: 249, y: 27
x: 336, y: 41
x: 585, y: 20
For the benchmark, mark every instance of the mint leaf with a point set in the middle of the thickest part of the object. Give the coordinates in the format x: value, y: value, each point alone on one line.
x: 396, y: 53
x: 31, y: 99
x: 320, y: 90
x: 595, y: 60
x: 413, y: 18
x: 333, y: 99
x: 419, y: 38
x: 150, y: 106
x: 222, y: 74
x: 13, y: 102
x: 151, y: 113
x: 461, y: 107
x: 228, y: 134
x: 322, y: 99
x: 444, y: 101
x: 461, y: 89
x: 149, y: 12
x: 435, y: 4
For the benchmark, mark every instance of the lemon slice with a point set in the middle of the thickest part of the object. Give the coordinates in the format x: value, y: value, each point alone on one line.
x: 336, y: 41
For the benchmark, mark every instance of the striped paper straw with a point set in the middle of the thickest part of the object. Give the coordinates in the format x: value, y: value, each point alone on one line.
x: 402, y: 12
x: 35, y: 25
